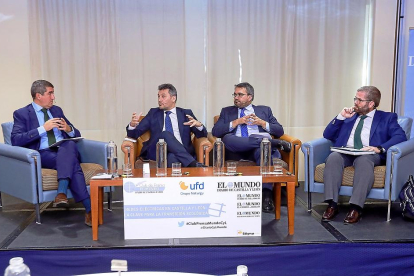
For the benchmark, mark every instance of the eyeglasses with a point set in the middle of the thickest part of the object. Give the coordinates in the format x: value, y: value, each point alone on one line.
x: 360, y: 100
x: 238, y: 95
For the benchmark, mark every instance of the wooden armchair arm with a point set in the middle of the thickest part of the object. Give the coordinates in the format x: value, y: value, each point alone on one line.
x: 131, y: 145
x: 292, y: 157
x: 202, y: 148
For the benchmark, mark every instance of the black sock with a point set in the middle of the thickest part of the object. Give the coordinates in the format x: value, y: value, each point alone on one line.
x: 356, y: 207
x: 332, y: 203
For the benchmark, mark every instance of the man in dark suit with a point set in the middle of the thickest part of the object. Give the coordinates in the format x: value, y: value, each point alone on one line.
x: 171, y: 123
x: 242, y: 128
x: 362, y: 127
x: 39, y: 125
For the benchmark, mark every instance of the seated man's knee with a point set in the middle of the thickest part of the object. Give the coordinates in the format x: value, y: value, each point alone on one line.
x: 363, y: 160
x: 334, y: 157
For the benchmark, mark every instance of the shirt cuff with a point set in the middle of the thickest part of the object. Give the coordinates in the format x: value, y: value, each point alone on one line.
x: 230, y: 127
x: 132, y: 128
x: 200, y: 128
x: 71, y: 133
x: 340, y: 117
x: 41, y: 130
x: 267, y: 127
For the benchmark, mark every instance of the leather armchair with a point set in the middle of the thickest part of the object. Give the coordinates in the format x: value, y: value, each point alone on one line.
x: 290, y: 158
x: 132, y: 149
x: 389, y: 179
x: 22, y: 176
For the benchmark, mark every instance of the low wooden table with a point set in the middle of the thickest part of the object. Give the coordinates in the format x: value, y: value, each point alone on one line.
x: 96, y: 188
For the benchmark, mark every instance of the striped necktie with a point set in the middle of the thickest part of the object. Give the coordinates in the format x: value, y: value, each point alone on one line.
x: 357, y: 134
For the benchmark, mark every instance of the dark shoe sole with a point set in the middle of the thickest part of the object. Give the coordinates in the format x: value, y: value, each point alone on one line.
x: 346, y: 223
x: 61, y: 204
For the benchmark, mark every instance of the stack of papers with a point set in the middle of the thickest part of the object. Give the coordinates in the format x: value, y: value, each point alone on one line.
x: 351, y: 151
x: 103, y: 176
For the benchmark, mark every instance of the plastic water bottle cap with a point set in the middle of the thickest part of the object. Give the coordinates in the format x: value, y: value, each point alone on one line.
x: 161, y: 140
x: 218, y: 139
x: 241, y: 269
x: 16, y: 261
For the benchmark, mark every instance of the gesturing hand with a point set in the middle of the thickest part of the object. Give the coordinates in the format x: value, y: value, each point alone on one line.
x: 135, y: 118
x: 50, y: 124
x: 192, y: 122
x: 348, y: 112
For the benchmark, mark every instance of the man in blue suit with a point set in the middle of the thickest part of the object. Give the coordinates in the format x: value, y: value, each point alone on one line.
x: 39, y: 125
x: 242, y: 128
x: 171, y: 123
x: 362, y: 127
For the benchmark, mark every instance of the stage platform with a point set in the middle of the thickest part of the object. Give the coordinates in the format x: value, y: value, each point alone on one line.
x: 63, y: 229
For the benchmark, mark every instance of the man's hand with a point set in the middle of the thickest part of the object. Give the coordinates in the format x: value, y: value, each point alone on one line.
x: 241, y: 121
x: 134, y: 121
x: 348, y: 112
x: 54, y: 122
x: 254, y: 120
x: 64, y: 126
x: 192, y: 122
x: 369, y: 148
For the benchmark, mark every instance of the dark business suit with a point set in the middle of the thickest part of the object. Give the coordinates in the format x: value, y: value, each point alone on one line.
x: 64, y: 159
x: 177, y: 152
x: 243, y: 147
x: 385, y: 131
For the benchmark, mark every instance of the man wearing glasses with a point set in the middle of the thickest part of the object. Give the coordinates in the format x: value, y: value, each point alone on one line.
x: 361, y: 127
x: 242, y: 128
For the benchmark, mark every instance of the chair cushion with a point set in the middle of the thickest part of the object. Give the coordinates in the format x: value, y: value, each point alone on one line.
x: 348, y: 176
x: 49, y: 177
x: 7, y: 129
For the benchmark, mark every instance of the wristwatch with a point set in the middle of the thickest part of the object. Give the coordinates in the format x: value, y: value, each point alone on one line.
x: 381, y: 149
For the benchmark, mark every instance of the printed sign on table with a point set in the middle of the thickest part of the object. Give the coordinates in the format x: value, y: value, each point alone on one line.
x: 192, y: 207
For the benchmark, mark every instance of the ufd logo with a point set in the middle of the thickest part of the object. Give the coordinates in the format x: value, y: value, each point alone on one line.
x: 197, y: 186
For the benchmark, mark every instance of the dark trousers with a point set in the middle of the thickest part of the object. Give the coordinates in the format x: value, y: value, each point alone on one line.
x: 363, y: 175
x: 66, y: 160
x: 246, y: 147
x: 176, y: 152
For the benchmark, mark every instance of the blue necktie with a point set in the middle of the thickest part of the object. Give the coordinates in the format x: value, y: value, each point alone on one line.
x: 243, y: 127
x: 168, y: 124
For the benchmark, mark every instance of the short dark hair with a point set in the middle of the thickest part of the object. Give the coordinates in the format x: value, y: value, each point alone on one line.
x: 171, y: 89
x: 39, y: 86
x: 248, y: 87
x: 373, y: 94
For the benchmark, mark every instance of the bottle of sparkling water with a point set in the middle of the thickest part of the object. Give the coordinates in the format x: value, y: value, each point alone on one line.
x: 218, y: 157
x: 265, y: 156
x: 17, y: 268
x: 161, y: 158
x: 242, y: 270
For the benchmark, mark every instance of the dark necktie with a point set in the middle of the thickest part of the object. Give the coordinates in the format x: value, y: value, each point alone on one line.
x: 50, y: 135
x: 243, y: 127
x: 168, y: 124
x: 357, y: 134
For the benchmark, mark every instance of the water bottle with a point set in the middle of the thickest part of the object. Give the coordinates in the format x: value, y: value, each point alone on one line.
x: 112, y: 161
x: 218, y: 157
x: 242, y: 270
x: 17, y: 268
x: 161, y: 158
x: 265, y: 156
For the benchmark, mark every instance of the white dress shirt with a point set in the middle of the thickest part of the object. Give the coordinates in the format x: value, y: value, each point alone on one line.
x: 251, y: 129
x: 366, y: 129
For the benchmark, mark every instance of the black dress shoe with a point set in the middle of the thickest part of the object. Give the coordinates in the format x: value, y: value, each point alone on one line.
x: 268, y: 205
x: 281, y: 144
x: 353, y: 216
x: 200, y: 165
x: 330, y: 213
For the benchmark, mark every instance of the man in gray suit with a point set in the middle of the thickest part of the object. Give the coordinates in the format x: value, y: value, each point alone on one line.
x: 362, y: 127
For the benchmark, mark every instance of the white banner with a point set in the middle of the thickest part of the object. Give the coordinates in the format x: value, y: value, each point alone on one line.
x: 192, y: 207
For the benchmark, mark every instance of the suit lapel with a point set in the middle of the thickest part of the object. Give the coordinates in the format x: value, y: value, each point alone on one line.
x: 234, y: 114
x: 160, y: 119
x: 34, y: 123
x: 180, y: 120
x: 375, y: 122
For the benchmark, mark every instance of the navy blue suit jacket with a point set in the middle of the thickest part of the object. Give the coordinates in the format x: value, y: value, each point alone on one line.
x: 230, y: 113
x: 25, y: 134
x: 385, y: 131
x: 154, y: 122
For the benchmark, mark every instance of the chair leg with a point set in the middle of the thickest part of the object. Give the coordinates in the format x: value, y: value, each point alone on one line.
x: 389, y: 210
x: 109, y: 200
x: 37, y: 207
x: 1, y: 202
x: 309, y: 201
